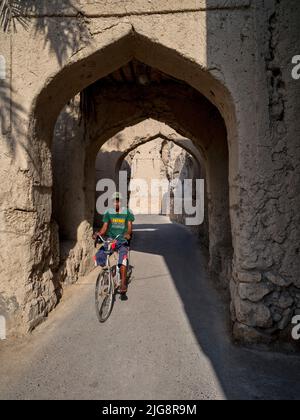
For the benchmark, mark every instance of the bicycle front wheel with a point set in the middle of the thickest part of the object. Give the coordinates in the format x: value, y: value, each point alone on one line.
x: 104, y: 296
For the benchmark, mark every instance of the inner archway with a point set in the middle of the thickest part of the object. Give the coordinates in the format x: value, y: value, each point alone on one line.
x: 153, y: 169
x: 190, y: 164
x: 120, y: 101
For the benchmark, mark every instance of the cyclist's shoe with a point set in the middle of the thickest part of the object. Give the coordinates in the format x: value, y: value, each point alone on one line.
x: 123, y: 297
x: 122, y: 291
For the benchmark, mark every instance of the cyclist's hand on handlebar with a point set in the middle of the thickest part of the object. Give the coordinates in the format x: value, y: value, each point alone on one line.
x: 127, y: 236
x: 97, y: 236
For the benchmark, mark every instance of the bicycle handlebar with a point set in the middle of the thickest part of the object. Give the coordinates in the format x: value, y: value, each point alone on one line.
x: 107, y: 241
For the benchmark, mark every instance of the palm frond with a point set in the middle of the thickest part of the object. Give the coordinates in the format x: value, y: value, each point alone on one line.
x: 11, y: 10
x: 6, y: 16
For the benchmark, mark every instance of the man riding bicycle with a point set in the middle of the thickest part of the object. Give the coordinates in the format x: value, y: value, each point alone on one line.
x: 117, y: 224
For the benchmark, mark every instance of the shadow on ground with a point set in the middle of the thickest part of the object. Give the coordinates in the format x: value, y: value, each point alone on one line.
x: 242, y: 373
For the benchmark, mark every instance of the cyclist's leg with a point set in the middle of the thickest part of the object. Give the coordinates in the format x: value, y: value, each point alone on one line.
x: 101, y: 257
x: 123, y: 260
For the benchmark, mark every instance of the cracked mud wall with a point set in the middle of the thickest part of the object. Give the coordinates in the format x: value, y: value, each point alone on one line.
x: 70, y: 209
x: 267, y: 287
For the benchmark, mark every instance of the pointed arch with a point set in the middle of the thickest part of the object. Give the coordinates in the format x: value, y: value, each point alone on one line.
x: 110, y: 51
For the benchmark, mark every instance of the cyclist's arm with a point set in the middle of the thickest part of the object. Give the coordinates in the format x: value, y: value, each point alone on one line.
x: 104, y: 229
x: 129, y: 231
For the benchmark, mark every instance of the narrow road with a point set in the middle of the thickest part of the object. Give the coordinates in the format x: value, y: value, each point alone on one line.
x: 168, y: 341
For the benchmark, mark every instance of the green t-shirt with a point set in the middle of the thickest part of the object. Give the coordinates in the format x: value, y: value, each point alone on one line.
x: 118, y: 222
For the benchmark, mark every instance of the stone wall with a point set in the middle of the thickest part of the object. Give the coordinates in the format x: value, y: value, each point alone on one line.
x: 267, y: 286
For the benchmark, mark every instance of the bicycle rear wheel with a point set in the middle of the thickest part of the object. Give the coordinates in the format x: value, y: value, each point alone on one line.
x: 104, y: 296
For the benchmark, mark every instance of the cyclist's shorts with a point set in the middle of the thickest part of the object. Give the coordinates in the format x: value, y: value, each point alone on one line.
x: 122, y: 248
x: 123, y: 255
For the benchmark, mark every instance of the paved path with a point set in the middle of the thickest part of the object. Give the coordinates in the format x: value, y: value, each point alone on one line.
x: 168, y: 341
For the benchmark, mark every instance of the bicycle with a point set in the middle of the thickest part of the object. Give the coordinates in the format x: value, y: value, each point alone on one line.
x: 108, y: 281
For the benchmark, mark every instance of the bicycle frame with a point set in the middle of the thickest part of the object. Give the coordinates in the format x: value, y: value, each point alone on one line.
x: 108, y: 281
x: 108, y: 266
